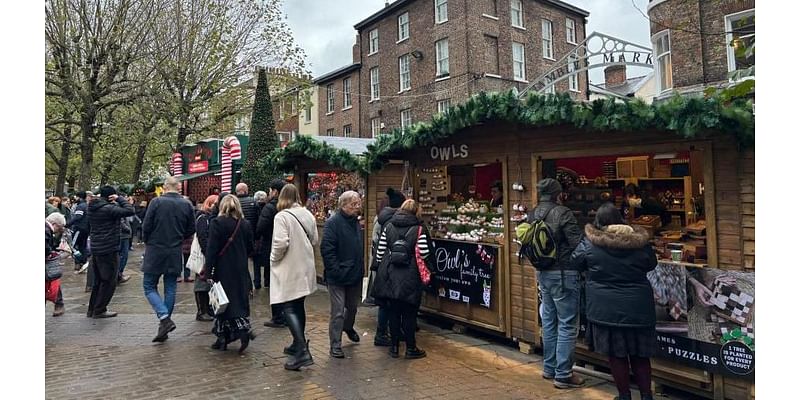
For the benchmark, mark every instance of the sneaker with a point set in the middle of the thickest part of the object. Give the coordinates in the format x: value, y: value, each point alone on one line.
x: 124, y: 278
x: 547, y: 376
x: 415, y: 353
x: 337, y: 353
x: 567, y: 383
x: 107, y: 314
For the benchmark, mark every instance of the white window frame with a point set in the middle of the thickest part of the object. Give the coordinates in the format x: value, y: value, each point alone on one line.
x: 347, y: 88
x: 375, y: 84
x: 400, y: 24
x: 347, y: 130
x: 404, y: 75
x: 549, y: 89
x: 519, y: 77
x: 375, y: 124
x: 521, y: 24
x: 442, y: 106
x: 442, y: 47
x: 280, y: 110
x: 573, y: 30
x: 330, y: 132
x: 657, y: 58
x: 374, y: 42
x: 294, y: 105
x: 405, y: 119
x: 573, y: 77
x: 440, y: 11
x: 331, y: 98
x: 307, y: 115
x: 729, y: 37
x: 547, y: 39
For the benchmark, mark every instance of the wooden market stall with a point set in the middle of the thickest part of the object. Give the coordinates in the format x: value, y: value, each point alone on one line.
x: 691, y: 157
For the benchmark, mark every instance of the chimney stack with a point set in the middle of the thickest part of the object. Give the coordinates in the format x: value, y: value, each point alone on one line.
x: 615, y: 75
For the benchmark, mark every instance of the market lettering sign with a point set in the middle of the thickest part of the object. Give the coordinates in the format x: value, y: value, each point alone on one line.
x: 449, y: 152
x: 198, y: 166
x: 463, y: 272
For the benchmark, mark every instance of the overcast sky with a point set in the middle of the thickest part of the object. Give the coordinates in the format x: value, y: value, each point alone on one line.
x: 324, y: 28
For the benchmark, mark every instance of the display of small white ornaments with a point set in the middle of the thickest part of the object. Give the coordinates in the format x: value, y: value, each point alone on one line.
x: 518, y: 187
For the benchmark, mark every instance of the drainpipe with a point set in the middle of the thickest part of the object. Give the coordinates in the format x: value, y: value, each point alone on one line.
x: 702, y: 42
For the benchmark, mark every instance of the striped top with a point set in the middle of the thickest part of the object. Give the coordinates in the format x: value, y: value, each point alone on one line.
x: 422, y: 242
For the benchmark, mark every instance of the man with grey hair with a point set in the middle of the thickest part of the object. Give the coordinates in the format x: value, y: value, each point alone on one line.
x: 168, y: 222
x: 53, y: 225
x: 342, y: 251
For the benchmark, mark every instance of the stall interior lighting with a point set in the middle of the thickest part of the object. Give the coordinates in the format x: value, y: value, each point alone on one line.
x: 664, y: 156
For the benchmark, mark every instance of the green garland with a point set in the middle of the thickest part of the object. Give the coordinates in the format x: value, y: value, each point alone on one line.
x: 307, y: 147
x: 687, y: 117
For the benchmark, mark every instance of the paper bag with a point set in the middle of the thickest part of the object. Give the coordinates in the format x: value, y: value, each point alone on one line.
x: 218, y: 298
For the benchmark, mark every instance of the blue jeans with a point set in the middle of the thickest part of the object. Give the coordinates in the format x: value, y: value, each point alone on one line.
x: 163, y: 308
x: 124, y: 246
x: 560, y: 306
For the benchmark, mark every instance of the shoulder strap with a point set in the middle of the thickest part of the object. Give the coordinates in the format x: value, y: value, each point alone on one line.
x: 230, y: 239
x: 301, y: 226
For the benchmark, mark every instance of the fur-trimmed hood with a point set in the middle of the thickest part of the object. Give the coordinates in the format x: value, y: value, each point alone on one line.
x: 618, y: 236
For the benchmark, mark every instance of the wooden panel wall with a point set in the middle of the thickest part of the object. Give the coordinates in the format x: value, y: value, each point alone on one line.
x: 747, y: 185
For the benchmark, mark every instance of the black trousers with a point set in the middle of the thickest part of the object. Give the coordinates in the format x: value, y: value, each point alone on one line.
x: 105, y: 268
x: 403, y: 321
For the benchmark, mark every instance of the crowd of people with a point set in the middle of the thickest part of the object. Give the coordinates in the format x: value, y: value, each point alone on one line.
x: 278, y: 234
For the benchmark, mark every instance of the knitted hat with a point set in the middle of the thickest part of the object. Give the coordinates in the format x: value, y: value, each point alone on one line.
x: 396, y: 199
x: 106, y: 191
x: 277, y: 184
x: 548, y: 188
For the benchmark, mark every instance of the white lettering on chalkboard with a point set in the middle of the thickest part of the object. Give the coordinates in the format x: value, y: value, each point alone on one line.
x: 449, y: 152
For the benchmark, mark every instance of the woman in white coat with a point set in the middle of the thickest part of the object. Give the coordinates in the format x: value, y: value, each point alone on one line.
x: 292, y: 272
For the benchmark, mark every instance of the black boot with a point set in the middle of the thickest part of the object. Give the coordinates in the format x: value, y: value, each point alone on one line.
x: 627, y: 396
x: 291, y: 349
x: 220, y: 344
x: 201, y: 298
x: 302, y: 356
x: 245, y: 339
x: 646, y: 396
x: 394, y: 349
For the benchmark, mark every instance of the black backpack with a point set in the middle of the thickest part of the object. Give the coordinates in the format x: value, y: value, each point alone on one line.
x: 401, y: 251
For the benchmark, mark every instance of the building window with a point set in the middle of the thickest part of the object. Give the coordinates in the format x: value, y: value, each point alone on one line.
x: 571, y: 35
x: 294, y: 105
x: 573, y: 76
x: 376, y: 126
x: 741, y: 34
x: 661, y: 46
x: 308, y: 114
x: 402, y: 27
x: 330, y: 98
x: 492, y: 55
x: 405, y: 119
x: 547, y: 39
x: 550, y: 89
x: 491, y: 7
x: 374, y: 84
x: 329, y: 132
x: 373, y: 41
x: 442, y: 58
x: 348, y: 98
x: 518, y: 56
x: 405, y: 72
x: 441, y: 11
x: 516, y: 13
x: 347, y: 130
x: 442, y: 106
x: 280, y: 109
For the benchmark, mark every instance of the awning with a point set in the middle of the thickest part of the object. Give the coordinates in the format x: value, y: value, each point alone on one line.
x: 192, y: 176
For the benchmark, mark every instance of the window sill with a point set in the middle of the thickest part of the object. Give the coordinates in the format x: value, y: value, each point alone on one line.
x: 401, y: 41
x: 441, y: 22
x: 306, y: 122
x: 493, y: 76
x: 520, y: 80
x: 442, y: 78
x: 374, y: 100
x: 518, y: 27
x: 347, y: 108
x: 329, y: 113
x: 572, y: 43
x: 490, y: 17
x: 404, y: 90
x: 549, y: 58
x: 574, y: 91
x: 372, y: 54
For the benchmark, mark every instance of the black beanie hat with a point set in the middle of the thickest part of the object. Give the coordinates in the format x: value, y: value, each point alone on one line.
x: 396, y: 199
x: 106, y: 191
x: 277, y: 184
x: 548, y: 187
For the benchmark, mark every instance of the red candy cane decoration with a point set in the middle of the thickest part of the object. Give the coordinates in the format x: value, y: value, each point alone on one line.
x: 176, y: 166
x: 231, y: 150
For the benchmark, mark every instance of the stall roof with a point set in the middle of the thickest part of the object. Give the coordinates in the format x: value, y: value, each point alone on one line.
x: 356, y: 146
x: 340, y: 152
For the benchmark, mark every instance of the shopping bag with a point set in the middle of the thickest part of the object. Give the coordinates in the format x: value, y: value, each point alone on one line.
x: 53, y: 266
x: 51, y: 289
x: 196, y: 258
x: 424, y: 273
x: 366, y: 289
x: 218, y: 298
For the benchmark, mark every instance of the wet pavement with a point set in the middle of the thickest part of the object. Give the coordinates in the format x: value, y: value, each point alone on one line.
x: 115, y: 358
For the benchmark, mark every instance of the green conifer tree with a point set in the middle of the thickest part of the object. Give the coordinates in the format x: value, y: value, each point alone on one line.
x: 263, y: 139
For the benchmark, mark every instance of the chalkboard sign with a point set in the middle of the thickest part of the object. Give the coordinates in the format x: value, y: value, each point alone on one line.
x: 463, y: 271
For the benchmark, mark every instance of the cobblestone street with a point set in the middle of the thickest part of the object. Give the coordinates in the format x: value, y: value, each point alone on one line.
x: 114, y: 358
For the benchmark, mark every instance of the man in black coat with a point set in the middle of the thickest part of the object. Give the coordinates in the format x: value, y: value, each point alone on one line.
x: 79, y: 223
x: 105, y: 213
x: 168, y: 222
x: 342, y: 251
x: 249, y: 206
x: 264, y: 228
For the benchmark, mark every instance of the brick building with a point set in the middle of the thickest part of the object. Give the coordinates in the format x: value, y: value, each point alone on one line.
x: 415, y: 58
x: 691, y: 40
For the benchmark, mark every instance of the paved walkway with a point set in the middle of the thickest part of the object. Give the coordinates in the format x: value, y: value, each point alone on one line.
x: 115, y: 359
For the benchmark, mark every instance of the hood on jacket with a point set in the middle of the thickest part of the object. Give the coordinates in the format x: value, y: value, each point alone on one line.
x: 96, y: 204
x: 385, y: 215
x: 618, y: 236
x: 402, y: 219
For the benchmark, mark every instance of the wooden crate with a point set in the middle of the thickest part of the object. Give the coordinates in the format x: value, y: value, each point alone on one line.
x: 633, y: 167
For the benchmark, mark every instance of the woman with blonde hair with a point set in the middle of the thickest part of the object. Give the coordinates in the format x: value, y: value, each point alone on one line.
x: 398, y: 285
x: 202, y: 221
x: 292, y: 272
x: 230, y: 240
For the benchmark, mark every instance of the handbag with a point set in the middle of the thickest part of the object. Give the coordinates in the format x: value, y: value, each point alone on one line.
x: 217, y: 298
x: 53, y: 267
x: 196, y: 259
x: 51, y: 289
x: 424, y: 273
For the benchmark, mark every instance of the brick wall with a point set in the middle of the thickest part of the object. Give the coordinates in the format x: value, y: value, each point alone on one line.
x: 697, y: 37
x: 340, y: 116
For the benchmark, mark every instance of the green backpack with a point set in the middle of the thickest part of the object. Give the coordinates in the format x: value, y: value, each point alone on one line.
x: 538, y: 244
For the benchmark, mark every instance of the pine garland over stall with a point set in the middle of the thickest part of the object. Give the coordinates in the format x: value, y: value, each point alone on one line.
x: 308, y: 147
